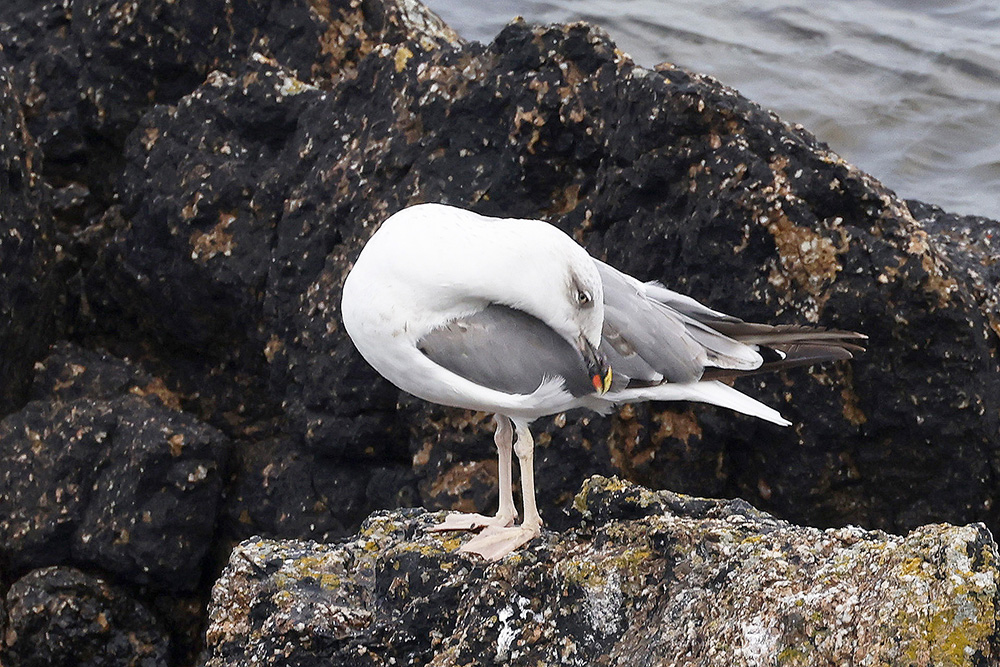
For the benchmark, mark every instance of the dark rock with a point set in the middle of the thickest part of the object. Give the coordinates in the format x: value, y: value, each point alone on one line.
x: 971, y: 244
x: 279, y: 490
x: 713, y: 581
x: 27, y: 253
x: 71, y: 372
x: 215, y: 167
x: 121, y: 484
x: 60, y: 616
x: 91, y: 68
x: 257, y: 191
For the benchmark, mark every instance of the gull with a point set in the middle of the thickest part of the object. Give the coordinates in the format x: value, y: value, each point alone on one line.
x: 513, y: 317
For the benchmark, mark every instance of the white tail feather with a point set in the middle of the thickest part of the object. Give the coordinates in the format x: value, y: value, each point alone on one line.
x: 712, y: 392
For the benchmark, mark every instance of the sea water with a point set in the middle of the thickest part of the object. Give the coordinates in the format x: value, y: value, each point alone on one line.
x: 908, y: 91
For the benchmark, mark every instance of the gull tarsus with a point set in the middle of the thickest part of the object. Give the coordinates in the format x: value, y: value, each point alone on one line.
x: 514, y: 318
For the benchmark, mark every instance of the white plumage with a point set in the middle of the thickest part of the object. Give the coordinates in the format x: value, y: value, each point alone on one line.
x: 515, y: 318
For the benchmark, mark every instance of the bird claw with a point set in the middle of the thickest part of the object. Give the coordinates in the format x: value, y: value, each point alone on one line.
x: 471, y: 522
x: 496, y: 542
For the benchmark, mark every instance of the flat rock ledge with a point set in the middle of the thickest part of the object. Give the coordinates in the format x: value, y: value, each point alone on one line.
x: 646, y: 578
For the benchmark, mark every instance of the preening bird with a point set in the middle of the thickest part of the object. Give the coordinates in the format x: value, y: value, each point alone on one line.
x: 513, y: 317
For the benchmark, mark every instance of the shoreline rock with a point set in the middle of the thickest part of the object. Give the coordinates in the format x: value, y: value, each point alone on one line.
x: 179, y: 212
x: 649, y: 578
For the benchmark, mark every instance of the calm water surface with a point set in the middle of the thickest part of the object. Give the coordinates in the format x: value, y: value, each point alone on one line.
x: 908, y: 91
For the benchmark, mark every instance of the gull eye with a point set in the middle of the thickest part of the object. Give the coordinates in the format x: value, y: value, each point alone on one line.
x: 583, y: 297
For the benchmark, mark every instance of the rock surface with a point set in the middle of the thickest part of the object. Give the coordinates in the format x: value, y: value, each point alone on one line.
x: 183, y: 187
x: 120, y: 482
x: 61, y: 616
x: 257, y: 191
x: 89, y: 69
x: 27, y: 253
x: 648, y: 578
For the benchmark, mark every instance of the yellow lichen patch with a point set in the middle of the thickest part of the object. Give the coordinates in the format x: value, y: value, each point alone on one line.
x: 449, y: 541
x: 583, y: 573
x: 218, y: 240
x: 911, y: 566
x: 402, y: 56
x: 607, y: 573
x: 598, y: 483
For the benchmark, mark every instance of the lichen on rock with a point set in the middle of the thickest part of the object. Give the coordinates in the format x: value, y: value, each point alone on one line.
x: 645, y: 578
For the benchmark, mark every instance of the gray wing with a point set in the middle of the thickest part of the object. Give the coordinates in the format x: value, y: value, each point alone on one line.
x: 648, y: 340
x: 508, y: 350
x: 657, y: 332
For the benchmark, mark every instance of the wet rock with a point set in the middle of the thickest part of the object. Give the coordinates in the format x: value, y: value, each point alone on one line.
x: 644, y: 578
x: 121, y: 483
x: 27, y: 253
x: 62, y: 616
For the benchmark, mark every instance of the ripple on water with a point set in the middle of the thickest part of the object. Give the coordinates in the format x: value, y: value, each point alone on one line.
x: 909, y: 93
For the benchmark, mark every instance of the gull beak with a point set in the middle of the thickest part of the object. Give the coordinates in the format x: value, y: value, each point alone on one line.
x: 597, y: 366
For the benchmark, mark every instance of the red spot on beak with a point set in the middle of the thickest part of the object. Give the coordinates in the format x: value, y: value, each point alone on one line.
x: 598, y: 385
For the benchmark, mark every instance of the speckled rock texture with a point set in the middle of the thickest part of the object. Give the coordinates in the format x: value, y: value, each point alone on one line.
x: 62, y: 616
x: 647, y: 578
x: 185, y: 184
x: 89, y: 69
x: 119, y: 482
x: 27, y: 253
x: 972, y: 245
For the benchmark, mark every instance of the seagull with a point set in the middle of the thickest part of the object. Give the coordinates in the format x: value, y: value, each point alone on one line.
x: 513, y: 317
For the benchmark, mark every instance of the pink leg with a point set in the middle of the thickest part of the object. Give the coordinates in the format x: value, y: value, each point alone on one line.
x: 506, y: 515
x: 496, y: 542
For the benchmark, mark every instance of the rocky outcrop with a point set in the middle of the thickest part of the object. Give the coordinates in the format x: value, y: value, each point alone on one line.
x: 972, y: 245
x: 122, y: 483
x: 89, y: 69
x: 61, y: 616
x: 647, y: 578
x: 212, y: 170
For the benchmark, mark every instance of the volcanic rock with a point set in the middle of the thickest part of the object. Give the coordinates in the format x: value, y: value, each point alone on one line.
x: 121, y: 483
x: 62, y: 616
x: 27, y: 253
x: 257, y: 191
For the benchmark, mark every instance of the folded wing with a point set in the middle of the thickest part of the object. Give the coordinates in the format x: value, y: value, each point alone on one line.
x: 507, y: 350
x: 654, y: 335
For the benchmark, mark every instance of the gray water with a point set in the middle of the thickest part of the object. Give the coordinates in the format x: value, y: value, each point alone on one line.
x: 907, y: 91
